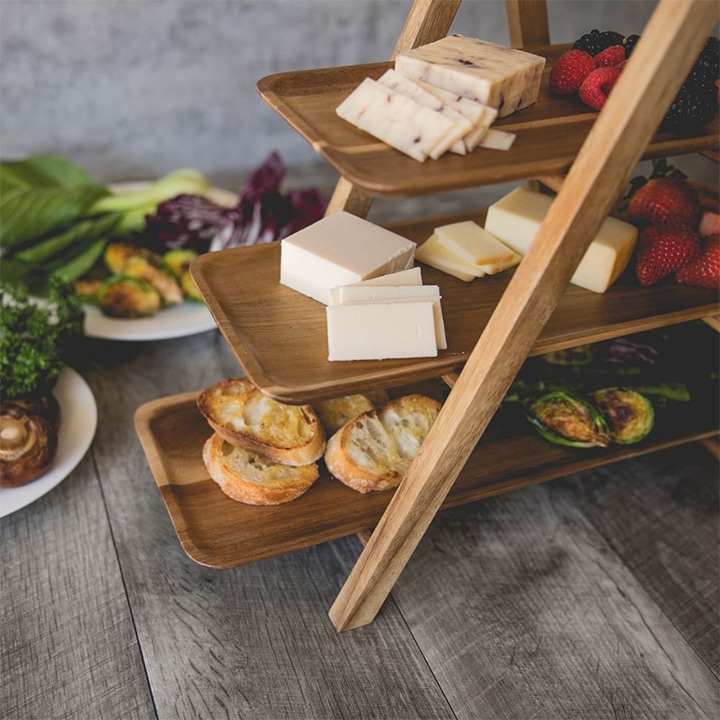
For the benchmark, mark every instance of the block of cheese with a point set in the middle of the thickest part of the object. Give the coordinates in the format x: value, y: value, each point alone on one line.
x: 516, y: 218
x: 411, y: 276
x: 338, y: 250
x: 411, y: 128
x: 353, y: 294
x: 411, y: 89
x: 434, y: 254
x: 470, y: 242
x: 504, y: 78
x: 380, y: 331
x: 481, y: 116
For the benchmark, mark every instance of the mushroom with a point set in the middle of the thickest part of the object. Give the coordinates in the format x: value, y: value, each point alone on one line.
x: 27, y: 446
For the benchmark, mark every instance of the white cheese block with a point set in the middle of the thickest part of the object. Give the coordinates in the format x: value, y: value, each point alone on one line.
x: 338, y: 250
x: 504, y: 78
x: 380, y: 331
x: 432, y: 253
x: 470, y: 242
x: 411, y: 276
x: 411, y: 128
x: 353, y: 294
x: 411, y: 89
x: 516, y: 218
x: 497, y: 140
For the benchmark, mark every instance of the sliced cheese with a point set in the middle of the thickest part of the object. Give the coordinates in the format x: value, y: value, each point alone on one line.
x: 504, y: 78
x: 411, y: 89
x: 380, y: 331
x: 338, y: 250
x: 497, y: 140
x: 432, y: 253
x: 411, y: 128
x: 411, y: 276
x: 471, y: 243
x: 516, y: 218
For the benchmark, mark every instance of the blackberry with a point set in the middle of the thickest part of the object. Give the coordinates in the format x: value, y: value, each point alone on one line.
x: 595, y: 41
x: 630, y: 42
x: 694, y: 106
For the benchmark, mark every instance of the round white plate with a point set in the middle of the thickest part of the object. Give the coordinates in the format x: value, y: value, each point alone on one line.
x: 187, y: 319
x: 78, y: 421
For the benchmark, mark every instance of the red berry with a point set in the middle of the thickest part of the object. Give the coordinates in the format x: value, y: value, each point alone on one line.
x: 569, y: 71
x: 663, y: 249
x: 596, y: 87
x: 704, y: 271
x: 665, y: 200
x: 610, y: 57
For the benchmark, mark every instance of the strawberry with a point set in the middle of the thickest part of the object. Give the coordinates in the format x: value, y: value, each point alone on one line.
x: 663, y: 249
x: 610, y: 57
x: 665, y: 200
x: 704, y: 271
x: 569, y: 71
x: 596, y: 87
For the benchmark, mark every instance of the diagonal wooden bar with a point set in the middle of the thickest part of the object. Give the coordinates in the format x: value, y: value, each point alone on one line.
x: 662, y: 58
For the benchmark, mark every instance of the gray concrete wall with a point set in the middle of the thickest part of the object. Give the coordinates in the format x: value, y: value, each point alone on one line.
x: 133, y: 88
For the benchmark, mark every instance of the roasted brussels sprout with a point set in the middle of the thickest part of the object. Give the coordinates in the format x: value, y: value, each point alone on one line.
x: 117, y: 254
x: 27, y: 446
x: 566, y: 419
x: 178, y: 261
x: 630, y: 416
x: 189, y: 287
x: 128, y: 297
x: 159, y: 278
x: 574, y: 356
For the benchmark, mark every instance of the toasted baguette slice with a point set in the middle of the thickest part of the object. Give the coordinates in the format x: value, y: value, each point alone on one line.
x: 253, y: 479
x: 374, y: 450
x: 242, y: 415
x: 335, y: 412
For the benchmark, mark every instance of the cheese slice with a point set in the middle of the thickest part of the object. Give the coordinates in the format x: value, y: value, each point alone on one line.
x: 432, y: 253
x: 504, y: 78
x: 516, y: 218
x: 497, y: 140
x: 353, y: 294
x: 411, y: 128
x: 470, y: 242
x: 380, y: 331
x: 338, y: 250
x: 411, y: 276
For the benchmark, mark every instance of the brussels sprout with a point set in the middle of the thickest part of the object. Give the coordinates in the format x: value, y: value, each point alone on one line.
x: 178, y: 261
x: 575, y: 356
x: 629, y: 415
x: 116, y: 255
x: 189, y: 287
x: 128, y: 297
x: 566, y: 419
x: 159, y: 278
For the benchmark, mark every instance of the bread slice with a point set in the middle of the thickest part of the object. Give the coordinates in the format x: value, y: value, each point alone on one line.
x: 335, y: 412
x: 246, y: 418
x: 373, y: 451
x: 253, y: 479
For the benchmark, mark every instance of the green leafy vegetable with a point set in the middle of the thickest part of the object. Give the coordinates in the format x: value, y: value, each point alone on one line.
x: 40, y: 171
x: 36, y: 341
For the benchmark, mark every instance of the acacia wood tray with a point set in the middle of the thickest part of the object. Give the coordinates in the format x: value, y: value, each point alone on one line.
x: 279, y: 336
x: 549, y: 135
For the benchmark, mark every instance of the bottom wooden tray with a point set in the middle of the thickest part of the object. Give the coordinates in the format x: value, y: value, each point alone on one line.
x: 218, y: 532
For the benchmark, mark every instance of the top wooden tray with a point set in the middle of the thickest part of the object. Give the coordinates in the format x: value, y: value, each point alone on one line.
x: 279, y: 336
x: 549, y: 135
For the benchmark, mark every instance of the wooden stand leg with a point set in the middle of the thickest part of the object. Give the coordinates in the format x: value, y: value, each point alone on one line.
x: 661, y: 60
x: 527, y: 22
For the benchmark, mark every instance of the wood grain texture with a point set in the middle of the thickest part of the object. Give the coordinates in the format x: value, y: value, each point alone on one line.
x: 656, y: 69
x: 526, y: 608
x: 528, y: 23
x: 67, y: 643
x: 427, y: 21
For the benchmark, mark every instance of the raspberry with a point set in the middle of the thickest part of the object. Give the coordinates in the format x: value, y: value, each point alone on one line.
x: 597, y: 85
x: 569, y: 71
x: 610, y: 57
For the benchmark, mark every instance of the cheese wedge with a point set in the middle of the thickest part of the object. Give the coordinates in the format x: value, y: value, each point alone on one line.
x: 504, y: 78
x: 380, y: 331
x: 470, y: 242
x: 516, y: 218
x: 432, y: 253
x: 411, y: 128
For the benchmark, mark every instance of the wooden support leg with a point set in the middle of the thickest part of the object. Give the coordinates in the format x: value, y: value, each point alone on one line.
x: 528, y: 23
x: 661, y: 60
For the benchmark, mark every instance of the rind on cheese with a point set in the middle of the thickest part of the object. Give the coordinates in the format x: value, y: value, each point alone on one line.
x: 505, y: 78
x: 516, y: 218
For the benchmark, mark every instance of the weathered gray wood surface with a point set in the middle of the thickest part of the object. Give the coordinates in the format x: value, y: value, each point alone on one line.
x: 594, y: 596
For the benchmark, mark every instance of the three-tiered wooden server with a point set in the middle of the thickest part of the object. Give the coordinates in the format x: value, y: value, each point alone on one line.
x: 279, y: 336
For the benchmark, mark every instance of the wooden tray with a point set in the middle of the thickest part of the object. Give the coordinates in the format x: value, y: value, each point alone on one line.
x: 219, y: 532
x: 549, y: 135
x: 279, y: 336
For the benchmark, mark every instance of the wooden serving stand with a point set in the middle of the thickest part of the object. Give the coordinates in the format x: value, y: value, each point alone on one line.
x: 670, y: 43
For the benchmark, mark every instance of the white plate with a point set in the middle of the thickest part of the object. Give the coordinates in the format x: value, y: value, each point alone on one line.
x: 178, y: 321
x: 78, y: 420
